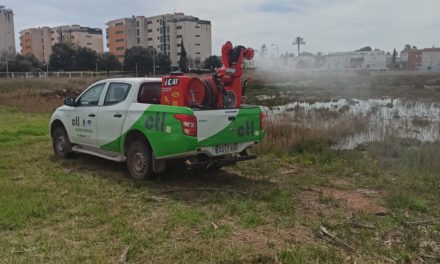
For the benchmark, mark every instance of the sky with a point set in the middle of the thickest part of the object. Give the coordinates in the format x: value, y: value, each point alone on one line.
x: 325, y: 25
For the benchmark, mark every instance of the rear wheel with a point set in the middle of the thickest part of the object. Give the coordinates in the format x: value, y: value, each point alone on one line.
x: 61, y: 143
x: 139, y: 161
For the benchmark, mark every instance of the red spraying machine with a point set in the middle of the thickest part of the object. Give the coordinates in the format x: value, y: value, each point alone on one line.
x: 222, y: 90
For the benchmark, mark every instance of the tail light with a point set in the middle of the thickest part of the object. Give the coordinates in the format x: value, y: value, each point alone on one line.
x: 189, y: 124
x: 261, y: 120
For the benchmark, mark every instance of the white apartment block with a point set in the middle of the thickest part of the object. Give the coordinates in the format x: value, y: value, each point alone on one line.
x: 165, y: 33
x: 360, y: 60
x: 7, y: 35
x: 430, y: 60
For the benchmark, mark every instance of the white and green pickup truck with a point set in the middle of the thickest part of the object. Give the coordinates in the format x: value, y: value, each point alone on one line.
x: 122, y: 120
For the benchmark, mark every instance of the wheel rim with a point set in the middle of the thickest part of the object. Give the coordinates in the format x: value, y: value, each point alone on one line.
x: 61, y: 144
x: 139, y: 162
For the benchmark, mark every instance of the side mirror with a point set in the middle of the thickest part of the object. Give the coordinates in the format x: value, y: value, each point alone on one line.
x: 69, y: 101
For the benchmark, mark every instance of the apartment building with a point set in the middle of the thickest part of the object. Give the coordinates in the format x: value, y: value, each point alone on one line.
x: 39, y: 41
x: 430, y: 60
x: 36, y: 41
x: 7, y: 35
x: 165, y: 33
x: 361, y: 60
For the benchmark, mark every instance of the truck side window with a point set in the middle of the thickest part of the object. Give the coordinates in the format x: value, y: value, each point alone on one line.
x: 91, y: 96
x: 116, y: 93
x: 149, y: 93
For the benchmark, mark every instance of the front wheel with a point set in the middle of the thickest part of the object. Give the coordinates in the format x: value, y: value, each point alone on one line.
x: 61, y: 143
x: 139, y: 161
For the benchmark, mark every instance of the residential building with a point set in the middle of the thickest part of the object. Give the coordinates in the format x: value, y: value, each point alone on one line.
x: 430, y: 59
x: 39, y: 41
x: 36, y: 41
x: 414, y: 59
x: 164, y: 33
x: 7, y: 35
x: 360, y: 60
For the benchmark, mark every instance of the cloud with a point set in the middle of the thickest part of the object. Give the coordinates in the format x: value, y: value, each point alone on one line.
x: 326, y: 25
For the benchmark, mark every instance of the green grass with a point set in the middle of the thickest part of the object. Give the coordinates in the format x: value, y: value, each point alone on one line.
x: 88, y: 210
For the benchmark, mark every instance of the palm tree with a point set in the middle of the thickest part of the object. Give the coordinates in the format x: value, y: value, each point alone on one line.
x: 298, y: 42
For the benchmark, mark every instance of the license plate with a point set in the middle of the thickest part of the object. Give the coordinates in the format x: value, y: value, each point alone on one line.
x: 225, y: 149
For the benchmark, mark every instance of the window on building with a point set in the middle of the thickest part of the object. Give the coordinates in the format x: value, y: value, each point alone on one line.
x: 137, y: 23
x: 197, y: 27
x: 178, y: 53
x: 149, y: 22
x: 119, y: 24
x: 119, y: 32
x: 197, y: 44
x: 120, y: 40
x: 138, y: 41
x: 179, y: 27
x: 89, y: 44
x: 138, y: 32
x: 197, y: 53
x: 150, y: 30
x: 179, y: 36
x: 197, y: 36
x: 158, y: 38
x: 120, y: 48
x: 150, y: 39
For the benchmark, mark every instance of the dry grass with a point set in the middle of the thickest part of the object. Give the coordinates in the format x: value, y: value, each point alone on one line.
x: 302, y: 130
x: 40, y: 95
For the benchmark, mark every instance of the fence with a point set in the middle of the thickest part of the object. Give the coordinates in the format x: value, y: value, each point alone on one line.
x: 96, y: 75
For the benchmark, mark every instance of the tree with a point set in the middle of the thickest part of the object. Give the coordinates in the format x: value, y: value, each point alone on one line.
x: 86, y: 59
x: 263, y: 51
x: 20, y: 63
x: 183, y: 62
x: 407, y: 47
x: 163, y: 62
x: 108, y: 62
x: 394, y: 60
x: 298, y: 42
x: 140, y: 59
x: 211, y: 63
x: 63, y: 57
x: 367, y: 48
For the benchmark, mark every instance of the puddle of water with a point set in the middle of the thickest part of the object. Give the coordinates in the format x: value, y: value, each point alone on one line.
x: 384, y: 117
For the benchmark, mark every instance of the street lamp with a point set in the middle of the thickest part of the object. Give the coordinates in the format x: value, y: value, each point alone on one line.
x: 278, y: 48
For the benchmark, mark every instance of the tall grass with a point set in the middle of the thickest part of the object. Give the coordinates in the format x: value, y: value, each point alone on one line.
x: 303, y: 130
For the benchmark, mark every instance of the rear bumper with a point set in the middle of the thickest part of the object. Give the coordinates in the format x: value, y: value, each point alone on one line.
x: 229, y: 160
x: 210, y: 151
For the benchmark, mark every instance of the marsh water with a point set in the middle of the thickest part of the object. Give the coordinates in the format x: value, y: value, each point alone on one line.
x: 381, y: 117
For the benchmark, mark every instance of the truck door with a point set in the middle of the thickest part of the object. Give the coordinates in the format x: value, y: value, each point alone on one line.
x: 111, y: 115
x: 83, y: 124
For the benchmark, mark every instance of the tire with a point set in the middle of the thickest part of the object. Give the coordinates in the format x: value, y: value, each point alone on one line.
x: 61, y: 143
x: 139, y: 161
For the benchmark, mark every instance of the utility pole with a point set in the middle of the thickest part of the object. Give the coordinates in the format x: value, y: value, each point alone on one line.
x: 136, y: 69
